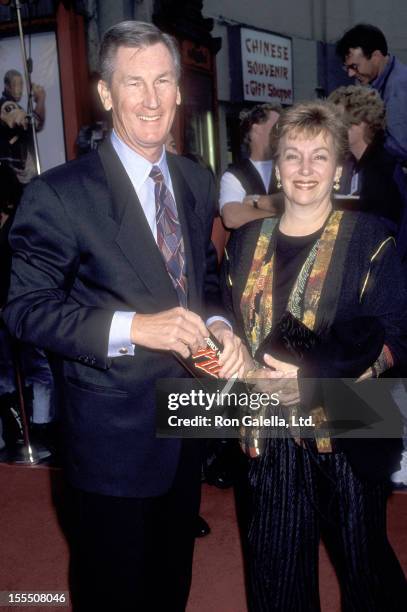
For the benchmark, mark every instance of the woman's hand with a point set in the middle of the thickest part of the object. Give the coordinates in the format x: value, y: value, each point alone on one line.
x: 280, y: 369
x: 231, y: 358
x: 279, y: 377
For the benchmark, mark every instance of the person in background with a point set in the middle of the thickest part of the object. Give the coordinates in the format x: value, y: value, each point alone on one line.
x: 380, y: 185
x: 122, y: 280
x: 9, y: 198
x: 16, y: 140
x: 245, y: 186
x: 376, y: 177
x: 11, y: 191
x: 17, y: 153
x: 337, y: 275
x: 13, y: 90
x: 364, y: 53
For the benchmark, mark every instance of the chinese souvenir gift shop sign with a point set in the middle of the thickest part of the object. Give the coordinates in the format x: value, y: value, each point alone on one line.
x: 264, y: 70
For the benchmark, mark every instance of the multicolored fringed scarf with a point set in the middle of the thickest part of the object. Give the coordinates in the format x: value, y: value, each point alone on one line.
x: 257, y: 304
x: 257, y: 299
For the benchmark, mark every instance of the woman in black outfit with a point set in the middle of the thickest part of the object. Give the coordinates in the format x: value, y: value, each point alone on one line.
x: 339, y: 275
x: 374, y: 176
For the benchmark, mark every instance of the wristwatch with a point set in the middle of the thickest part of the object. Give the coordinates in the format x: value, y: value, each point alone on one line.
x: 256, y: 199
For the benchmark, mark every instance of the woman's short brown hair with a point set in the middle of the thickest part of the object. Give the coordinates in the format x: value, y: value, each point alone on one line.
x: 310, y: 119
x: 361, y: 104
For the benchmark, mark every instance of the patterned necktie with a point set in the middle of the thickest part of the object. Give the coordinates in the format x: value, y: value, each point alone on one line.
x: 169, y: 236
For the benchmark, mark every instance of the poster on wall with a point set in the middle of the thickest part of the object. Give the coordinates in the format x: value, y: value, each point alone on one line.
x: 16, y: 138
x: 266, y: 67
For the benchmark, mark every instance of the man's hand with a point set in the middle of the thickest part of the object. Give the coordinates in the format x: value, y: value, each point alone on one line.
x: 272, y: 203
x: 38, y: 93
x: 177, y: 329
x: 236, y: 214
x: 232, y: 357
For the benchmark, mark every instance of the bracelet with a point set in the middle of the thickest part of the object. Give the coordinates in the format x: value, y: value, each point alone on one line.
x: 248, y: 373
x: 252, y: 371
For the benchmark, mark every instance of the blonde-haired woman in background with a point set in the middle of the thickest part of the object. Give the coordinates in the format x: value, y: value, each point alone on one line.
x: 374, y: 176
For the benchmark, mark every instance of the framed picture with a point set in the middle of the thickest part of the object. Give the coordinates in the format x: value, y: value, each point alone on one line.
x: 42, y: 48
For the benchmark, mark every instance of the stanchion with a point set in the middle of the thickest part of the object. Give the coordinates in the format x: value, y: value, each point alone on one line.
x: 25, y: 453
x: 17, y: 4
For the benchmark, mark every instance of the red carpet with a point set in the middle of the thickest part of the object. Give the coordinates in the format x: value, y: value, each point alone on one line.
x: 34, y: 555
x: 217, y: 584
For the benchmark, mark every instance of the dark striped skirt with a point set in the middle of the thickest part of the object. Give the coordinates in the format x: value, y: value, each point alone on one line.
x: 298, y: 496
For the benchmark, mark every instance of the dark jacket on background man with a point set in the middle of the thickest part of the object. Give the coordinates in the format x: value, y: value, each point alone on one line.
x: 250, y: 179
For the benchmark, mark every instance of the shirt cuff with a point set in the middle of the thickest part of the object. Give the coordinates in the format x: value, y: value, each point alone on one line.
x: 213, y: 319
x: 120, y: 334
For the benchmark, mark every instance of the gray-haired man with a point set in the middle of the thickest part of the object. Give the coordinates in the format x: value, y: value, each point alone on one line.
x: 103, y: 291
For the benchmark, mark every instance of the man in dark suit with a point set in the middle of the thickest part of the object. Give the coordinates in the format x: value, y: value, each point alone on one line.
x: 113, y: 272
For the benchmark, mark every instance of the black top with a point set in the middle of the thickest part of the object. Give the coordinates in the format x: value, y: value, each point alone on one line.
x: 291, y: 253
x: 382, y: 190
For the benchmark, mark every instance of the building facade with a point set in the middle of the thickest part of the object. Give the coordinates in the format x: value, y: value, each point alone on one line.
x: 309, y: 28
x: 234, y: 54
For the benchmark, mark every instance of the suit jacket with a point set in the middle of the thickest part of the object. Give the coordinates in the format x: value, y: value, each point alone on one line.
x: 82, y: 250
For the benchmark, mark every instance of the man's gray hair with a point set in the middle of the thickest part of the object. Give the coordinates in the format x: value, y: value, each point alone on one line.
x: 137, y: 34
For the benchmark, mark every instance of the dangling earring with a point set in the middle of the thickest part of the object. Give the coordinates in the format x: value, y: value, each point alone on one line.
x: 337, y: 184
x: 278, y: 185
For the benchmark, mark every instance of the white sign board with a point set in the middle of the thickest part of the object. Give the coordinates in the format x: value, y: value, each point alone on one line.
x: 266, y: 67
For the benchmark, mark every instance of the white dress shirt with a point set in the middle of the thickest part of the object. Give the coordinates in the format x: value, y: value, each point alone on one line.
x: 138, y: 169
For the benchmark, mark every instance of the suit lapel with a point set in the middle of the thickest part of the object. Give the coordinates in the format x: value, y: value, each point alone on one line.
x: 134, y: 236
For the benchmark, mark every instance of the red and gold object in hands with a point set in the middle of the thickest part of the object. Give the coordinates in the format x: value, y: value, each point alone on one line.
x: 205, y: 362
